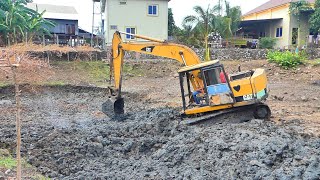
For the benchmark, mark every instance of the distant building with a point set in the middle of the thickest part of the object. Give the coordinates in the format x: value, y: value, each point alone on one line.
x: 149, y: 18
x: 65, y: 18
x: 273, y: 19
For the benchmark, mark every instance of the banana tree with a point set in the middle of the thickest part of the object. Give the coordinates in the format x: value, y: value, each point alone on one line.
x: 13, y: 19
x: 37, y: 25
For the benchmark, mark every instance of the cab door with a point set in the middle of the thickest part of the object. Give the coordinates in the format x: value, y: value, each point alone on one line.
x: 217, y: 86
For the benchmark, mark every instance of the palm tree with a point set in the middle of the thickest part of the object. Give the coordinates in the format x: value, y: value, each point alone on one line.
x: 202, y: 23
x: 234, y: 13
x: 227, y: 25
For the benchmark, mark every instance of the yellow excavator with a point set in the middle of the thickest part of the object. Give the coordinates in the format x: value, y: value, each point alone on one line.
x: 209, y: 89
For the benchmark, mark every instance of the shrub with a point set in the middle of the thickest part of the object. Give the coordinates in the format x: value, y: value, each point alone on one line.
x: 285, y: 59
x: 267, y: 43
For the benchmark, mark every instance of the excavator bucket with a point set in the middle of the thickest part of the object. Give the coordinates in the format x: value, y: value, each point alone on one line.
x: 113, y: 107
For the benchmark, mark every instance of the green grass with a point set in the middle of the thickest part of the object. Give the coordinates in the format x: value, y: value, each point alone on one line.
x: 40, y: 177
x: 55, y: 83
x: 95, y: 72
x: 2, y: 84
x: 8, y: 162
x: 314, y: 62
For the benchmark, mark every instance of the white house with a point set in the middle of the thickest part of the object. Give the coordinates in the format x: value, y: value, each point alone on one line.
x: 145, y: 17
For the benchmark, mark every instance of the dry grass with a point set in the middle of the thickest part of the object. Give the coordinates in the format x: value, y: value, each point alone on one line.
x: 52, y: 48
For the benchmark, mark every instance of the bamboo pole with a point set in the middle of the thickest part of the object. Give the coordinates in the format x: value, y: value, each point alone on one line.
x: 18, y: 116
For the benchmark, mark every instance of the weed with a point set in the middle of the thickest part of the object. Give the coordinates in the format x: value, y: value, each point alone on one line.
x: 8, y: 162
x: 286, y: 59
x: 267, y: 42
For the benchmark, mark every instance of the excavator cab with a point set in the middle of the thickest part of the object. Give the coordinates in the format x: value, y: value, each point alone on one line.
x: 214, y: 90
x: 220, y: 93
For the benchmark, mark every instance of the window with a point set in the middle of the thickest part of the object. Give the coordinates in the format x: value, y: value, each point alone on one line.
x: 214, y: 76
x: 123, y: 2
x: 70, y: 29
x: 153, y: 10
x: 279, y: 32
x: 295, y: 34
x: 113, y: 27
x: 262, y: 34
x: 131, y: 31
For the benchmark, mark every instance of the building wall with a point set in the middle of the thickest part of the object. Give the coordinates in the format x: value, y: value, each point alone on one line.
x: 303, y: 29
x: 135, y: 14
x: 276, y: 13
x: 61, y: 26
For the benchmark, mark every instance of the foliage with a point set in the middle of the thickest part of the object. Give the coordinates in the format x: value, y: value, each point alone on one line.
x: 8, y: 162
x: 201, y: 22
x: 37, y: 25
x: 171, y: 23
x: 315, y: 18
x: 197, y: 28
x: 16, y: 20
x: 286, y: 59
x: 299, y: 7
x: 234, y: 14
x: 267, y: 42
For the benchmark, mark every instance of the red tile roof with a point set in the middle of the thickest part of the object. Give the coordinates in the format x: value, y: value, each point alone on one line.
x: 271, y: 4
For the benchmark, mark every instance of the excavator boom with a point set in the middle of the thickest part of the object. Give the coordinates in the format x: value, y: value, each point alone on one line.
x: 161, y: 48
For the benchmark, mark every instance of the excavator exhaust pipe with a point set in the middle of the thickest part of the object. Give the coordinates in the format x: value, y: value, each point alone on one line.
x: 113, y: 107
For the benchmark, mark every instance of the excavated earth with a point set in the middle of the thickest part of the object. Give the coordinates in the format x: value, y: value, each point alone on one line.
x: 66, y: 136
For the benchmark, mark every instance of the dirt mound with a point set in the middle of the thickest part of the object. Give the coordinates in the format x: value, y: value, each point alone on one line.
x: 66, y: 137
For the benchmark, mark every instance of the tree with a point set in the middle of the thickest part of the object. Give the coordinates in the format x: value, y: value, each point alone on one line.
x: 13, y: 18
x: 300, y: 9
x: 171, y: 23
x: 315, y: 19
x: 16, y: 19
x: 37, y: 25
x: 228, y: 24
x: 202, y: 23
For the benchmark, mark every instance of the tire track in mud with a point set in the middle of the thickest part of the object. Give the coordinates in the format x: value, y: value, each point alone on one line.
x: 66, y: 137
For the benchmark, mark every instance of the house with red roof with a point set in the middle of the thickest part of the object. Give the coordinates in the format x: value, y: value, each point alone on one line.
x: 273, y: 19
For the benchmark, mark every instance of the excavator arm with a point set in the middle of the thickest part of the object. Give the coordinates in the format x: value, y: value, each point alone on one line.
x: 180, y: 53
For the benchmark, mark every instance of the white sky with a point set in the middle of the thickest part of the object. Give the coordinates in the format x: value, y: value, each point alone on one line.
x: 180, y: 8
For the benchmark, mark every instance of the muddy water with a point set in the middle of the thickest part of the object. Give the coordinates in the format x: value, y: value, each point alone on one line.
x: 67, y: 137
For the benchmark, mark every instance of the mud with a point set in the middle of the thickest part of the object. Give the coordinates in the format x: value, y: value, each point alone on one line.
x: 66, y: 136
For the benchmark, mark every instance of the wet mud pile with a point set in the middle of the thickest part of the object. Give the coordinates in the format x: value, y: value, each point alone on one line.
x: 66, y: 137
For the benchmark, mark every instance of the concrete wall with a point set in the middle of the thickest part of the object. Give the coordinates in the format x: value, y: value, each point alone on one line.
x: 303, y: 27
x: 135, y: 14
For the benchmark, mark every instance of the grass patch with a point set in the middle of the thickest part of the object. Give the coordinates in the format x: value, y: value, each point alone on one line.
x: 8, y: 162
x: 286, y: 59
x: 314, y: 62
x: 40, y: 177
x: 55, y: 83
x: 2, y: 84
x: 93, y: 70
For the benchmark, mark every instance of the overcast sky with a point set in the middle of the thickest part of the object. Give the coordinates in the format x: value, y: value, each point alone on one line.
x: 180, y: 8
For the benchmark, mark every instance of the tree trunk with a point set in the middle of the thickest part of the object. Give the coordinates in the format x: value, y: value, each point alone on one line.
x: 207, y: 51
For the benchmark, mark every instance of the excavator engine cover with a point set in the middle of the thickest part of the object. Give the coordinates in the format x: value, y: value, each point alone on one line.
x: 113, y: 107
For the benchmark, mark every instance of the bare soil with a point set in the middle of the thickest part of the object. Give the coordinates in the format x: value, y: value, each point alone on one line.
x: 66, y: 136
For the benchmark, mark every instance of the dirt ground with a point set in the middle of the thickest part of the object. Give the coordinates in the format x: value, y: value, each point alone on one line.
x: 66, y: 136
